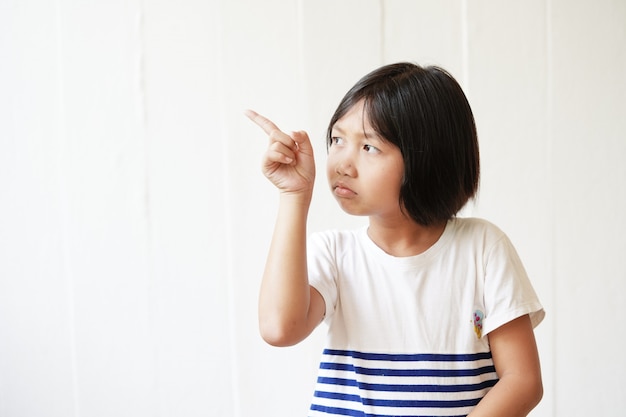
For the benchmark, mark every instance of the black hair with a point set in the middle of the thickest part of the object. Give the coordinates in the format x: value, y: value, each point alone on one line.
x: 424, y: 112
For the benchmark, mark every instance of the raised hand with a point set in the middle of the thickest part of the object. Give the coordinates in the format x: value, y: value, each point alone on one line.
x: 288, y: 162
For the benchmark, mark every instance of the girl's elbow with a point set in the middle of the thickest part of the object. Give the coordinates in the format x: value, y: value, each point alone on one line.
x: 535, y: 386
x: 277, y: 334
x: 537, y: 391
x: 533, y: 392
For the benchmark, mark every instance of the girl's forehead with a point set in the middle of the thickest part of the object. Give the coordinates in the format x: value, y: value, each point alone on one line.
x: 355, y: 119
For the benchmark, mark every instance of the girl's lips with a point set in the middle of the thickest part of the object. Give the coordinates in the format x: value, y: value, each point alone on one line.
x: 341, y: 190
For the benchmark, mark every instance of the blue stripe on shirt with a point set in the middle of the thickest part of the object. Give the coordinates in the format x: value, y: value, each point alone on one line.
x: 399, y: 403
x: 354, y: 413
x: 408, y: 372
x: 407, y: 387
x: 422, y: 357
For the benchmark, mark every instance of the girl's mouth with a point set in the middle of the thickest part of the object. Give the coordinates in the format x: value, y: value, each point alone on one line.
x: 341, y: 190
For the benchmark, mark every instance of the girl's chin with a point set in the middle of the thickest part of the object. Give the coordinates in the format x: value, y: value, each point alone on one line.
x: 350, y: 208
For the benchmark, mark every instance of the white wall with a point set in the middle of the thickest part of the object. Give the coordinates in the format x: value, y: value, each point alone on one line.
x: 134, y: 220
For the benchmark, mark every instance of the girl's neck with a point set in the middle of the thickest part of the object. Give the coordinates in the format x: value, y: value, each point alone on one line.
x: 404, y: 238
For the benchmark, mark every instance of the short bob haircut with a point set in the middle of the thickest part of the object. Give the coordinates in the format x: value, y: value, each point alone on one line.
x: 424, y: 112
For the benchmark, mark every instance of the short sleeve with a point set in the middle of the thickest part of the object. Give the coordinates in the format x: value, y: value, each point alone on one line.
x: 508, y: 293
x: 322, y: 269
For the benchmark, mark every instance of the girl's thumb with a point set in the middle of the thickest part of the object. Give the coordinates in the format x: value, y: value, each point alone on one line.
x: 301, y: 138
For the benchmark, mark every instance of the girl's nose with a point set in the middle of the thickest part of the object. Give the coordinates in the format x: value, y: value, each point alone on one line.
x: 345, y: 167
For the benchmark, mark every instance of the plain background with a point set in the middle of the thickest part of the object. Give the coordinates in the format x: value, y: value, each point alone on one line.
x: 134, y: 220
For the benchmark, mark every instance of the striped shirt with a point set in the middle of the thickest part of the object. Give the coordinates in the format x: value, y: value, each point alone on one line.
x: 409, y: 336
x: 369, y: 384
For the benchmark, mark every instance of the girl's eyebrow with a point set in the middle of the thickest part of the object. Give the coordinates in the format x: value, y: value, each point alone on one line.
x: 367, y: 134
x: 337, y: 129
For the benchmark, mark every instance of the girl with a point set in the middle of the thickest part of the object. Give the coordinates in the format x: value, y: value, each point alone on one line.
x: 428, y: 314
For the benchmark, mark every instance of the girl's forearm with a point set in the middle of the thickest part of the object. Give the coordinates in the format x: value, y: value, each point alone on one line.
x: 285, y: 293
x: 513, y: 396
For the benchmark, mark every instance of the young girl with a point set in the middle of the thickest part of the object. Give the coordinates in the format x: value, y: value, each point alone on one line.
x: 428, y: 314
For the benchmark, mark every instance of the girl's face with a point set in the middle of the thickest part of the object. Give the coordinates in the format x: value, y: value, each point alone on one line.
x: 364, y: 171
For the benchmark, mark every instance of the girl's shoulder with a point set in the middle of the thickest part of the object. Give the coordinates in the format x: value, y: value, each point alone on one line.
x: 482, y: 236
x: 334, y: 238
x: 476, y: 227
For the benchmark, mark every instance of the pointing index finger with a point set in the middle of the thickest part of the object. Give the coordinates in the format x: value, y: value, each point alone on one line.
x: 266, y: 124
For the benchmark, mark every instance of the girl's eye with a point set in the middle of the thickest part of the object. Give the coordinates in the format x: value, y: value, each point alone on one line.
x: 336, y: 141
x: 371, y: 149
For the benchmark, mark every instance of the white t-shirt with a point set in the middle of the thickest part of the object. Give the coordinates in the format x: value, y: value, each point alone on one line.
x: 407, y: 336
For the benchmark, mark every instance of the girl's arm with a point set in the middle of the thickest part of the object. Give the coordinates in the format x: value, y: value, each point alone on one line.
x: 289, y: 308
x: 515, y: 357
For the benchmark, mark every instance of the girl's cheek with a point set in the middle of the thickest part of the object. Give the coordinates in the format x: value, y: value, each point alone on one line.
x: 330, y: 163
x: 329, y: 168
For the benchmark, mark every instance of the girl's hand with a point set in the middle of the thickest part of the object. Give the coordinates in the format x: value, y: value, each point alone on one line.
x: 288, y: 162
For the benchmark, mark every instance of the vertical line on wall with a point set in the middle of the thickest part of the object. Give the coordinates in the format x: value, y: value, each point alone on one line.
x: 63, y: 188
x: 141, y: 113
x: 302, y: 80
x: 141, y: 121
x: 465, y: 45
x: 465, y: 80
x: 383, y: 35
x: 550, y: 182
x: 227, y: 220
